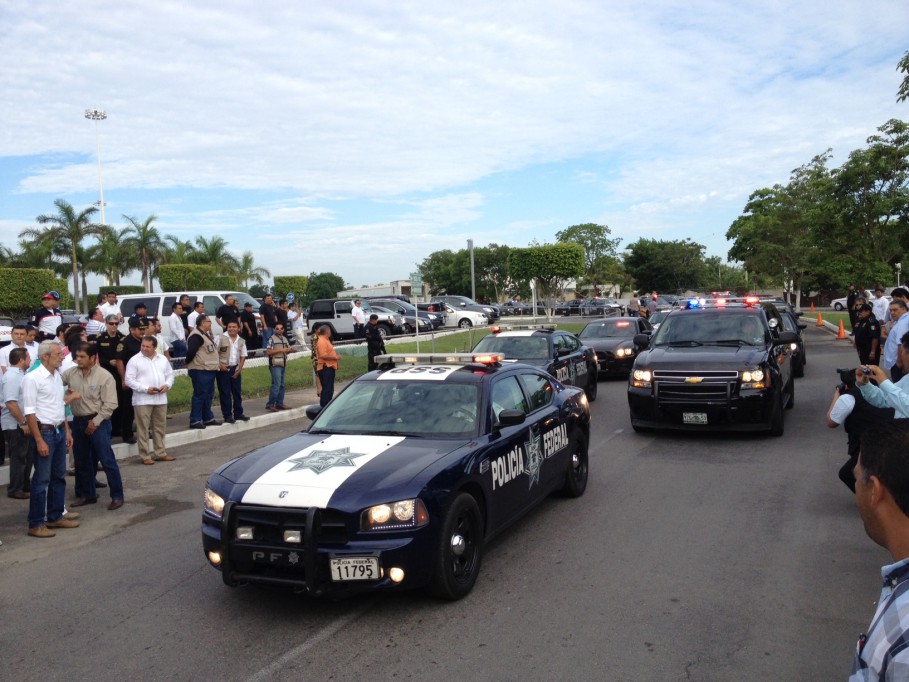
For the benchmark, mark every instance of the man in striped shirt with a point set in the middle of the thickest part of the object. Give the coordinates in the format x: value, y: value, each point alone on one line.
x: 882, y: 498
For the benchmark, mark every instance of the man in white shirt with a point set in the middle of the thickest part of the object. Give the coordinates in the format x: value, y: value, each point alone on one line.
x: 879, y: 306
x: 231, y: 358
x: 163, y: 347
x: 150, y: 377
x: 45, y: 410
x: 891, y: 354
x: 359, y: 320
x: 198, y: 309
x: 111, y: 306
x: 18, y: 336
x: 177, y: 332
x: 13, y: 422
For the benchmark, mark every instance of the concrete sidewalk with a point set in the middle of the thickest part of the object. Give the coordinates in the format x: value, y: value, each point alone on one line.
x: 179, y: 433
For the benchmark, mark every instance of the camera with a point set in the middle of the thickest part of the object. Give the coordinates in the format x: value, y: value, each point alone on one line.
x: 847, y: 379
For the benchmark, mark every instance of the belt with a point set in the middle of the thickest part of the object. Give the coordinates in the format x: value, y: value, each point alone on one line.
x: 86, y: 416
x: 49, y: 427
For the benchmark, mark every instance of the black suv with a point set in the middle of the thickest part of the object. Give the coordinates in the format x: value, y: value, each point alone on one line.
x: 712, y: 367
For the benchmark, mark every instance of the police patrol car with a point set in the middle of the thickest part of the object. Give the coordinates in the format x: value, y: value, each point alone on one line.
x: 560, y: 353
x: 718, y: 365
x: 400, y: 480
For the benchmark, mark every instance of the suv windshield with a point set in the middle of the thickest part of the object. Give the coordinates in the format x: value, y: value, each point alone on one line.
x: 245, y: 298
x: 407, y: 408
x: 710, y: 328
x: 515, y: 347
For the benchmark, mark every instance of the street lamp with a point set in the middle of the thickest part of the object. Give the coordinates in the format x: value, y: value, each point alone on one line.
x: 98, y: 115
x: 473, y: 285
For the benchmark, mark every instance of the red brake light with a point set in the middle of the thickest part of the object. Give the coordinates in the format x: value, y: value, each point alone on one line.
x: 624, y: 323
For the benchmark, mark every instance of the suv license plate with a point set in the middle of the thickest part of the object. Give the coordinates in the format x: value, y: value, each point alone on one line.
x: 694, y: 417
x: 354, y: 568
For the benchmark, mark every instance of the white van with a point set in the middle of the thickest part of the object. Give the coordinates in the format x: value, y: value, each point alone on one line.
x: 159, y: 304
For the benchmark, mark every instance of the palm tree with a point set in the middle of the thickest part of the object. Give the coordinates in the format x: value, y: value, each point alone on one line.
x: 214, y: 252
x: 113, y: 255
x: 247, y: 270
x: 178, y: 252
x: 68, y: 227
x: 148, y: 245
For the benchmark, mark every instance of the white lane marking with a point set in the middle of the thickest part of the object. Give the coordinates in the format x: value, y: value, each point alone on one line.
x: 270, y: 671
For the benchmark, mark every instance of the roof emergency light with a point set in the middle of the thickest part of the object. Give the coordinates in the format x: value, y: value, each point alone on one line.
x: 440, y: 359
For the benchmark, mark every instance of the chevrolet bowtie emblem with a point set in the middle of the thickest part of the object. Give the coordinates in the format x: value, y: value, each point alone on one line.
x: 693, y: 380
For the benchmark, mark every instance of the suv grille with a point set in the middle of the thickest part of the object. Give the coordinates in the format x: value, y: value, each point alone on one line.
x: 680, y: 387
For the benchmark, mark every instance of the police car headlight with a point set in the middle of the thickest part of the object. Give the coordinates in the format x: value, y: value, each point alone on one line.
x: 641, y: 378
x: 753, y: 375
x: 403, y: 514
x: 214, y: 503
x: 624, y: 352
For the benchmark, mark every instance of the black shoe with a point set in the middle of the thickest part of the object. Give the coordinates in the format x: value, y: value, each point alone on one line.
x: 99, y: 484
x: 197, y: 425
x: 230, y: 420
x: 213, y: 422
x: 242, y: 418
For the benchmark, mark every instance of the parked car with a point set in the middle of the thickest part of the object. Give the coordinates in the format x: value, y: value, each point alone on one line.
x: 408, y: 310
x: 404, y: 323
x: 6, y: 331
x: 467, y: 303
x: 572, y: 307
x: 463, y: 318
x: 601, y: 307
x: 335, y: 312
x: 160, y: 304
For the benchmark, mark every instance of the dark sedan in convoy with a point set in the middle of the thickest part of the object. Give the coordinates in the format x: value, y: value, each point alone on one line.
x: 601, y: 307
x: 613, y: 341
x: 569, y: 307
x: 401, y: 480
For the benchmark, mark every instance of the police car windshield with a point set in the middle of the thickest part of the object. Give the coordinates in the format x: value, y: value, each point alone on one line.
x: 717, y: 327
x: 515, y: 347
x: 622, y: 329
x: 388, y: 406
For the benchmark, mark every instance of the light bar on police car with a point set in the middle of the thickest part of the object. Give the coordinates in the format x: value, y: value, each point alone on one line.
x: 524, y: 327
x: 440, y: 358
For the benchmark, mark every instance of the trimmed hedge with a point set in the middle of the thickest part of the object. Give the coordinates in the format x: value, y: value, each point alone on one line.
x: 290, y: 284
x: 21, y: 290
x: 187, y: 277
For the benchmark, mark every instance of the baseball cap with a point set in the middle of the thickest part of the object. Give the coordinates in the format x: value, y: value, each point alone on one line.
x: 51, y: 294
x: 138, y: 322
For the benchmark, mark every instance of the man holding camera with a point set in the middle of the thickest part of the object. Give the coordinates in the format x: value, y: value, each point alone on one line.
x: 886, y: 393
x: 895, y: 336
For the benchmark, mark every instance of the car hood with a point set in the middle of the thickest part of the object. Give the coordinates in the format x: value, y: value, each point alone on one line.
x: 718, y: 357
x: 334, y: 470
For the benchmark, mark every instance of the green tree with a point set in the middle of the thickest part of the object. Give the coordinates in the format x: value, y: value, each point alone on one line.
x: 491, y: 270
x: 551, y: 266
x: 248, y: 271
x: 147, y: 244
x: 177, y: 251
x: 598, y: 249
x: 70, y: 227
x: 446, y: 272
x: 903, y: 67
x: 667, y: 266
x: 872, y: 188
x: 322, y: 285
x: 213, y: 251
x: 112, y: 256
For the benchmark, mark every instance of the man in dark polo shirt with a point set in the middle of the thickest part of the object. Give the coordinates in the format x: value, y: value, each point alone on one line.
x: 129, y: 346
x: 268, y: 314
x: 228, y: 312
x: 108, y: 342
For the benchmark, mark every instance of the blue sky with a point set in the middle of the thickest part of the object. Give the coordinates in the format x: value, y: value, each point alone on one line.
x: 359, y: 137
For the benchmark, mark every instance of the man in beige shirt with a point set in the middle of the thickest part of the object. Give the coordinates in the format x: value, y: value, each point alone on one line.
x: 91, y: 428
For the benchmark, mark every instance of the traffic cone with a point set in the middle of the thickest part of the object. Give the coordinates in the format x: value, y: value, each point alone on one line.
x: 812, y: 307
x: 820, y: 322
x: 841, y: 334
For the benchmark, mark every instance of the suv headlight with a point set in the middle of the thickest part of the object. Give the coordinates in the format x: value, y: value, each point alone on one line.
x: 641, y: 378
x: 401, y: 515
x: 753, y: 375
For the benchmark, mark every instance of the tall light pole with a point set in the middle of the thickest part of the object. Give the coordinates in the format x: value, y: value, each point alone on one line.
x: 473, y: 286
x: 98, y: 115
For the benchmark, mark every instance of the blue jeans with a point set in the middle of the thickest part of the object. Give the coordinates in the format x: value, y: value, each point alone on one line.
x: 327, y: 377
x: 48, y: 488
x: 178, y: 349
x: 203, y: 395
x: 230, y: 393
x: 266, y: 335
x: 276, y: 395
x: 89, y: 449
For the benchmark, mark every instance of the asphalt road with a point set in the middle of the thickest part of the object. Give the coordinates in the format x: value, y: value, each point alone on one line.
x: 690, y: 557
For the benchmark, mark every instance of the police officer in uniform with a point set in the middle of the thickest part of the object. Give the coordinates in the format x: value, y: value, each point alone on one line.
x: 375, y: 342
x: 140, y: 310
x: 867, y: 336
x: 129, y: 346
x: 108, y: 342
x: 850, y: 306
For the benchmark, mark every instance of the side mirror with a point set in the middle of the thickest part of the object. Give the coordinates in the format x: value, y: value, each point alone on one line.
x: 312, y: 411
x: 511, y: 417
x: 641, y: 340
x: 785, y: 338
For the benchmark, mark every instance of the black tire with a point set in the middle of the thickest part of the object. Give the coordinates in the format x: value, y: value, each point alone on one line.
x: 593, y: 386
x: 460, y: 549
x: 464, y: 323
x: 799, y: 370
x: 838, y: 306
x: 776, y: 419
x: 578, y: 469
x: 384, y: 331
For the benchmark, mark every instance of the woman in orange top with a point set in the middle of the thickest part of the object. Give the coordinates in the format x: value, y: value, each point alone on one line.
x: 327, y: 365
